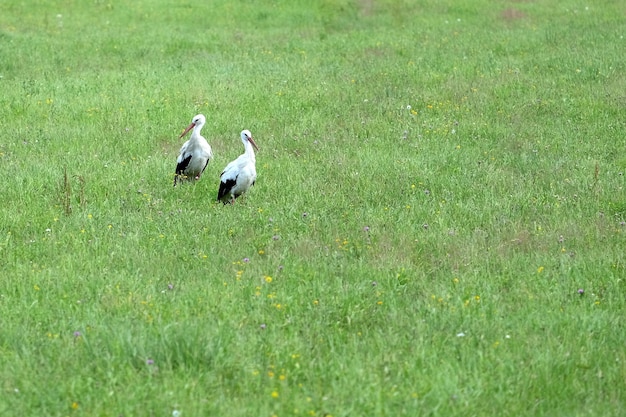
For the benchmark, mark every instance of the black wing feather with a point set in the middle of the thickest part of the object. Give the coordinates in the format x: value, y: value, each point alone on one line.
x: 181, y: 167
x: 225, y: 187
x: 204, y: 167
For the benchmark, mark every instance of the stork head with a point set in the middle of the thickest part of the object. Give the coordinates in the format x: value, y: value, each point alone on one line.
x: 246, y: 136
x: 198, y: 120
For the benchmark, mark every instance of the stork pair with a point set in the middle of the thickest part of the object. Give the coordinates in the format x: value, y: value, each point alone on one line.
x: 195, y: 154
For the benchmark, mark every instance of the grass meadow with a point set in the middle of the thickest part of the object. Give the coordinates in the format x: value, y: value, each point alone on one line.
x: 437, y: 229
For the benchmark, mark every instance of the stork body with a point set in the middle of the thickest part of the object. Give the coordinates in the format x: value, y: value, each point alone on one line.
x: 240, y: 174
x: 195, y: 154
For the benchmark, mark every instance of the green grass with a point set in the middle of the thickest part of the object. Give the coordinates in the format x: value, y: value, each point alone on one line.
x: 436, y: 182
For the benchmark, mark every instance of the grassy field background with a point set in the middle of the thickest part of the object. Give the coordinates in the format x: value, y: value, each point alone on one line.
x: 438, y: 225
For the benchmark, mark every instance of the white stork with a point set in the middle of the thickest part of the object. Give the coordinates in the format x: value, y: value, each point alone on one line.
x: 195, y: 154
x: 240, y: 174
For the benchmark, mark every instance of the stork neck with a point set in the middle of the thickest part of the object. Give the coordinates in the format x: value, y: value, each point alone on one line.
x: 195, y: 133
x: 249, y: 150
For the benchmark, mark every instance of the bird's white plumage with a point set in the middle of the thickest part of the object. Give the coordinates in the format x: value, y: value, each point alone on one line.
x: 195, y: 153
x: 240, y: 174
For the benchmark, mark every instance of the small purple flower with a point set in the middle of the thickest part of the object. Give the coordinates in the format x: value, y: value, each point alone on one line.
x: 263, y: 326
x: 366, y: 229
x: 581, y: 291
x: 149, y: 361
x: 275, y: 237
x: 170, y: 286
x: 246, y: 260
x: 77, y: 334
x: 622, y: 223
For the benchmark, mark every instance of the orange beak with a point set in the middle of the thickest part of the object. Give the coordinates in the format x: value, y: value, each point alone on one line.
x: 253, y: 142
x: 191, y: 126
